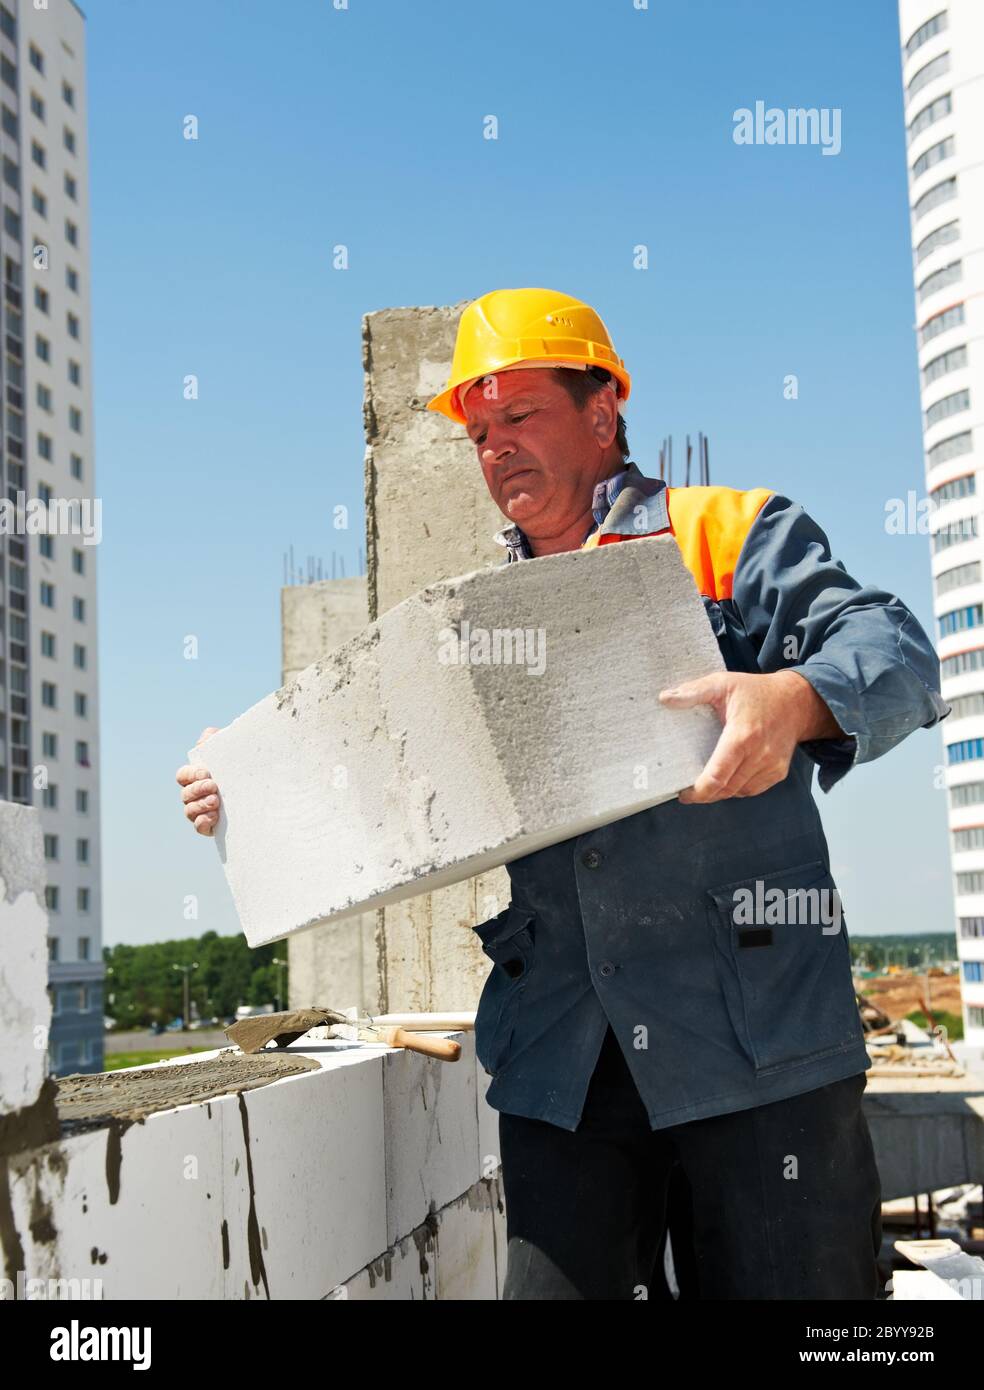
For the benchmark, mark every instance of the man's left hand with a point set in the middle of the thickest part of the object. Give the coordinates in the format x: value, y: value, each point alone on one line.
x: 764, y: 716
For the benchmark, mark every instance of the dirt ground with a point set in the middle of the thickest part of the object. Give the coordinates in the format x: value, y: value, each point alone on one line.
x: 899, y: 995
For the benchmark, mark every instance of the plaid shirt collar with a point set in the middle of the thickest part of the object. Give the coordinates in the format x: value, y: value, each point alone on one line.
x: 518, y: 547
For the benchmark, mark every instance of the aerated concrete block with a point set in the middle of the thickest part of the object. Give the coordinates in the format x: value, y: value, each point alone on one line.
x: 25, y: 1008
x: 477, y: 721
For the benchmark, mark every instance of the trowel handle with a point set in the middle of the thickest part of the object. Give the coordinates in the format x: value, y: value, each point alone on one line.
x: 444, y: 1049
x: 431, y: 1023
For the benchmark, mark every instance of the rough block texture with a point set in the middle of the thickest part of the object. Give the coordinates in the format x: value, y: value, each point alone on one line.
x: 25, y: 1008
x: 393, y: 766
x: 340, y: 964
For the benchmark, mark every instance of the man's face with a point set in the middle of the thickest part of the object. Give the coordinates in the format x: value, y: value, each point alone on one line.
x: 540, y: 455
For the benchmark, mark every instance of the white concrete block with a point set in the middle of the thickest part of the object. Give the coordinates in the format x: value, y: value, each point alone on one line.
x: 431, y: 1129
x: 394, y: 766
x: 25, y: 1008
x: 309, y: 1207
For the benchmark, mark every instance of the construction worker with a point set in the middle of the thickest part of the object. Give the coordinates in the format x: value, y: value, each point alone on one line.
x: 671, y: 1006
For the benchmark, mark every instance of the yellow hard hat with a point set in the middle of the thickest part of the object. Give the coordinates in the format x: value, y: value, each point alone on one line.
x: 539, y: 328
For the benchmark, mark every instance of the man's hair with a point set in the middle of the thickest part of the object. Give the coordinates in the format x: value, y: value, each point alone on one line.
x: 581, y: 386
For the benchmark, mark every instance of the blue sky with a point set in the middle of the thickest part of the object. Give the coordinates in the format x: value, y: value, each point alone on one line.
x: 363, y: 126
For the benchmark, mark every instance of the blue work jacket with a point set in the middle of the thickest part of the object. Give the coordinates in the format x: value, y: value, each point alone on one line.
x: 644, y: 923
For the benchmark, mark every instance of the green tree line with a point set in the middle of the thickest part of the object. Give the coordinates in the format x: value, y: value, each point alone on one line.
x: 142, y: 987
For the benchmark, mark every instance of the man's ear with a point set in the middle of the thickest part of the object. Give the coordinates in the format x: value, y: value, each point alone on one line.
x: 604, y: 416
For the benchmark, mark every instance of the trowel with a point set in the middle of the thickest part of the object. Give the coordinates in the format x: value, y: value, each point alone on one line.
x: 392, y: 1030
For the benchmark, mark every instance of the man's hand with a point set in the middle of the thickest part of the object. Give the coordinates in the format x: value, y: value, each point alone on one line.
x: 200, y: 795
x: 764, y: 716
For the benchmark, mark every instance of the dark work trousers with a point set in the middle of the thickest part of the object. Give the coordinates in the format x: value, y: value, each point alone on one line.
x: 784, y: 1199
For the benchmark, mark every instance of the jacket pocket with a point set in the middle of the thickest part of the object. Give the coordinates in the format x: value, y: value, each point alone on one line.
x: 508, y: 942
x: 784, y: 965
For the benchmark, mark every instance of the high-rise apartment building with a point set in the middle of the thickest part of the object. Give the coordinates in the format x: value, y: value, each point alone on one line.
x: 48, y: 677
x: 943, y: 86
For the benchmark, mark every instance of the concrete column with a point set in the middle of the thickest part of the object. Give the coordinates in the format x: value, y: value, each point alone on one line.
x: 428, y: 516
x: 333, y: 965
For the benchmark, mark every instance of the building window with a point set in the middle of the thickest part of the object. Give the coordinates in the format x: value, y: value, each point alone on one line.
x: 69, y: 139
x: 49, y: 796
x: 942, y: 236
x: 46, y: 546
x: 38, y: 154
x: 950, y: 448
x: 36, y: 58
x: 47, y: 594
x: 950, y: 361
x: 39, y: 203
x: 71, y: 232
x: 44, y: 396
x: 51, y: 847
x: 45, y: 446
x: 72, y: 278
x: 939, y: 279
x: 11, y: 174
x: 78, y: 608
x: 53, y: 948
x: 968, y: 750
x: 75, y: 419
x: 973, y: 971
x: 8, y: 72
x: 935, y: 68
x: 8, y: 121
x: 77, y: 471
x: 79, y: 657
x: 958, y: 578
x: 81, y: 705
x: 74, y: 372
x: 47, y: 644
x: 42, y: 348
x: 82, y: 851
x: 8, y: 24
x: 37, y: 106
x: 939, y: 193
x: 945, y: 149
x: 929, y: 115
x: 954, y: 534
x: 82, y: 753
x: 82, y: 899
x: 12, y: 223
x: 971, y: 927
x: 969, y: 794
x: 84, y: 947
x: 78, y: 557
x: 941, y: 323
x: 925, y: 32
x: 68, y: 94
x: 82, y: 801
x: 958, y: 620
x: 49, y: 695
x: 73, y: 325
x: 964, y: 707
x: 51, y: 897
x: 49, y: 745
x: 41, y: 300
x: 71, y: 189
x: 965, y: 486
x: 949, y: 405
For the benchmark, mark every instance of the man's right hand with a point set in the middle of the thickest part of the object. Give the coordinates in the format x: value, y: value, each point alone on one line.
x: 200, y: 795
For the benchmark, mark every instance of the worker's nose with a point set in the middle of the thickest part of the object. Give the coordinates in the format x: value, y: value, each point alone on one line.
x: 497, y: 448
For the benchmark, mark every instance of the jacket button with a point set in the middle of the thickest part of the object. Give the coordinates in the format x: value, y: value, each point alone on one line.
x: 591, y: 858
x: 606, y: 968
